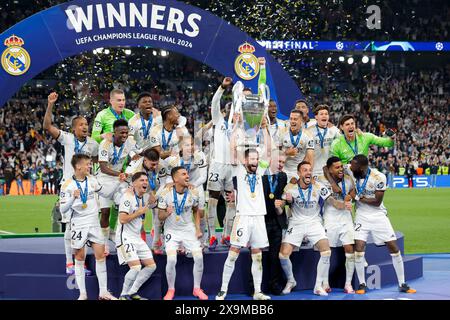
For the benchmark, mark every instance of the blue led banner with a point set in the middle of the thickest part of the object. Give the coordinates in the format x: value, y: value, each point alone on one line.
x: 424, y: 181
x: 68, y: 29
x: 370, y: 46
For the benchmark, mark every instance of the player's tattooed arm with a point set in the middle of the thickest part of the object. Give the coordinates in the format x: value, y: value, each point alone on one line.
x: 376, y: 202
x: 334, y: 185
x: 48, y: 126
x: 340, y: 205
x: 106, y: 170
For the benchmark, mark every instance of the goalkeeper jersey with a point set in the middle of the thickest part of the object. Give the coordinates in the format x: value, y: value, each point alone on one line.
x: 104, y: 121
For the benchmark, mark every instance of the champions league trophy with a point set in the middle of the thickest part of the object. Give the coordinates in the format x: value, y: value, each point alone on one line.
x: 251, y: 108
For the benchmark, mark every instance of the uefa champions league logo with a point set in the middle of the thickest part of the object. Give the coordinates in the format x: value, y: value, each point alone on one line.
x: 339, y: 45
x: 439, y: 46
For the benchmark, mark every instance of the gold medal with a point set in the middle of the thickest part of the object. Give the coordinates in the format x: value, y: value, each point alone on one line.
x: 84, y: 205
x: 178, y: 218
x: 253, y: 195
x: 271, y: 196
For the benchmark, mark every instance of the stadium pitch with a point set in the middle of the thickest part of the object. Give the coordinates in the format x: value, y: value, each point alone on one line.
x: 421, y: 214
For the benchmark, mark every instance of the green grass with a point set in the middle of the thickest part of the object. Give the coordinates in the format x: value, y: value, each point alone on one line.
x: 423, y: 215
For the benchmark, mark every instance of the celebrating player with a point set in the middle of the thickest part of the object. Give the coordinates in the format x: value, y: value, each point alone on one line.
x: 112, y: 157
x: 302, y: 106
x: 277, y: 126
x: 371, y: 218
x: 131, y: 249
x: 249, y: 226
x: 305, y: 222
x: 354, y: 142
x: 78, y: 200
x: 220, y: 166
x: 103, y: 123
x: 323, y: 137
x: 298, y: 145
x: 74, y: 143
x: 141, y: 123
x: 176, y: 205
x: 337, y: 216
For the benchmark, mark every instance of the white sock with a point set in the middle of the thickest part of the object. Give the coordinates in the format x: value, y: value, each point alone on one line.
x: 359, y: 266
x: 229, y: 219
x: 80, y: 277
x: 156, y: 228
x: 143, y: 276
x: 228, y: 269
x: 67, y: 245
x: 212, y: 213
x: 198, y: 268
x: 100, y: 270
x: 203, y: 228
x: 323, y: 267
x: 397, y: 261
x: 349, y: 267
x: 286, y: 265
x: 130, y: 277
x: 171, y: 273
x: 257, y: 271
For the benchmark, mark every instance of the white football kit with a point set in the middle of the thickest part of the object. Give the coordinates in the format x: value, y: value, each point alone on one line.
x: 338, y: 223
x: 303, y: 141
x: 322, y: 143
x: 249, y: 226
x: 130, y: 246
x: 179, y: 228
x: 371, y: 220
x: 305, y: 222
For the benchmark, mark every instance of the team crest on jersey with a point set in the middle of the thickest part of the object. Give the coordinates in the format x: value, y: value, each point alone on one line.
x: 104, y: 153
x: 15, y: 59
x: 323, y: 192
x: 380, y: 185
x: 246, y: 64
x: 153, y: 139
x: 126, y: 203
x: 311, y: 144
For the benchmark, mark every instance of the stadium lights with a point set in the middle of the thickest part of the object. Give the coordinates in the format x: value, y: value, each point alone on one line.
x: 365, y: 59
x: 164, y: 53
x: 341, y: 59
x: 350, y: 60
x: 127, y: 52
x: 106, y: 51
x: 154, y: 53
x: 329, y: 60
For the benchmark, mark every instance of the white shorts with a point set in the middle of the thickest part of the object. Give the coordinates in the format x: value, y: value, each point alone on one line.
x: 297, y: 232
x: 132, y: 250
x: 220, y: 177
x: 108, y: 186
x: 340, y: 234
x: 82, y: 235
x: 174, y: 239
x: 249, y: 231
x: 379, y: 227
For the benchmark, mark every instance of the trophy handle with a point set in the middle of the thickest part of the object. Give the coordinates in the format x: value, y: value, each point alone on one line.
x: 237, y: 100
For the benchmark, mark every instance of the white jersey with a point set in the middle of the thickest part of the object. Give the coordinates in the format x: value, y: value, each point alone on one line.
x: 159, y: 178
x: 306, y: 209
x: 115, y: 156
x: 196, y: 167
x: 331, y: 215
x: 306, y: 142
x: 220, y: 151
x: 167, y: 140
x: 375, y: 182
x: 246, y: 204
x: 322, y: 143
x: 81, y: 216
x: 184, y: 221
x: 131, y: 230
x: 310, y: 123
x: 140, y: 130
x: 277, y: 131
x: 258, y: 142
x: 68, y: 140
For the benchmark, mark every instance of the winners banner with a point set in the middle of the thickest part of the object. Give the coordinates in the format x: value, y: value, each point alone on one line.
x: 48, y: 37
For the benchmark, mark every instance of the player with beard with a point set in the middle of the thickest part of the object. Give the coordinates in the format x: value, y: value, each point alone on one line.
x: 249, y: 227
x: 354, y: 142
x: 305, y: 222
